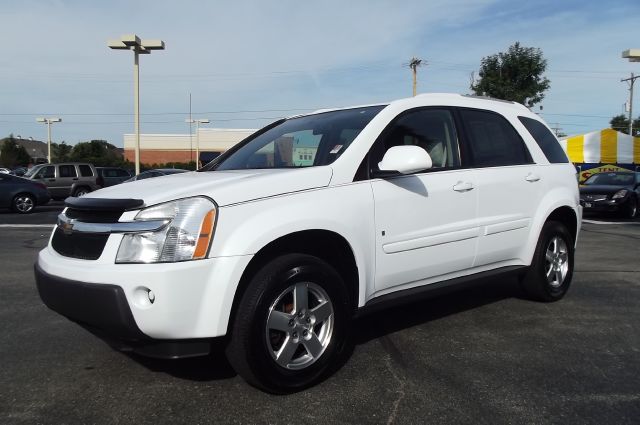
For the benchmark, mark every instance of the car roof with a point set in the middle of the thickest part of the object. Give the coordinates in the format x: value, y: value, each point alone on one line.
x: 440, y: 99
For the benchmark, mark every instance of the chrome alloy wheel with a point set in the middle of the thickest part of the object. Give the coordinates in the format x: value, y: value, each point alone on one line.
x: 299, y: 325
x: 556, y: 265
x: 24, y: 203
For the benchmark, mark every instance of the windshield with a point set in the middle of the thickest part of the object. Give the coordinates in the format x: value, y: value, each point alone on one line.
x: 31, y: 171
x: 306, y: 141
x: 611, y: 179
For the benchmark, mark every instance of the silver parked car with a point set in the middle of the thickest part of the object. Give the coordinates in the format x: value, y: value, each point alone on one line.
x: 66, y: 179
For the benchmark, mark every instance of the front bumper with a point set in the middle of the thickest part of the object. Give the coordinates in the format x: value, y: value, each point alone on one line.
x: 605, y: 205
x: 103, y: 310
x: 192, y: 299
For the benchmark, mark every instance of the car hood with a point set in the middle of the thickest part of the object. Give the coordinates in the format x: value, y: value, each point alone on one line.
x: 602, y: 189
x: 224, y: 187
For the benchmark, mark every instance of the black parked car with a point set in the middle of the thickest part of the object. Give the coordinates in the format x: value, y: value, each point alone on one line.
x: 611, y: 192
x: 22, y: 195
x: 156, y: 173
x: 110, y: 176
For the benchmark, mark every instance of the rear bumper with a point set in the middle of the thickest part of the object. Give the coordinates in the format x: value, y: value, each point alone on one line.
x: 103, y: 309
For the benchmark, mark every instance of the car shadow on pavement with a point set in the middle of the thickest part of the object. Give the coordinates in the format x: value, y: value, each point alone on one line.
x: 372, y: 326
x: 379, y: 324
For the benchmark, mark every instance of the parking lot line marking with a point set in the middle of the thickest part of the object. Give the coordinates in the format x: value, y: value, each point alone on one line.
x: 26, y: 226
x: 609, y: 222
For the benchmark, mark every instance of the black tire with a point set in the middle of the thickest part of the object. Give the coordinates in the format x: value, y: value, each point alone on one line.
x: 23, y: 203
x: 251, y: 343
x: 81, y: 191
x: 631, y: 208
x: 535, y: 282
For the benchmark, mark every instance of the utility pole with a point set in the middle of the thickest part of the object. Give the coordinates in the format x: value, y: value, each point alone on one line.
x: 414, y: 64
x: 631, y: 80
x: 556, y: 129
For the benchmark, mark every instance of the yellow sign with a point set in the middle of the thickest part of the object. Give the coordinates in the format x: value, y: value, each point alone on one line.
x: 585, y: 174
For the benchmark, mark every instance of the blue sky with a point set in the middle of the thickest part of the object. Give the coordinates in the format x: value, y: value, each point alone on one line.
x: 247, y: 63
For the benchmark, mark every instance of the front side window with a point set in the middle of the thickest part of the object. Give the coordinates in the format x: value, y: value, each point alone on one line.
x: 492, y: 140
x: 431, y: 129
x: 307, y: 141
x: 48, y: 172
x: 546, y: 140
x: 67, y: 170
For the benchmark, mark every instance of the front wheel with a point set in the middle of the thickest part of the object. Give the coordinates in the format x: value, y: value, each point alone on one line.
x: 292, y: 325
x: 549, y: 276
x: 23, y: 203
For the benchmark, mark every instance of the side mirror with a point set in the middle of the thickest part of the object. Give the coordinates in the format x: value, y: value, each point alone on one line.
x: 405, y: 159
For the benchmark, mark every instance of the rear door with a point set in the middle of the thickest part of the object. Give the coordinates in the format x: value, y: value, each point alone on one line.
x: 65, y: 178
x: 509, y: 185
x: 425, y: 222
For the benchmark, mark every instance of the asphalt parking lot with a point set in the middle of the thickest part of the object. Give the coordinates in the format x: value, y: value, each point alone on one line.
x: 483, y: 355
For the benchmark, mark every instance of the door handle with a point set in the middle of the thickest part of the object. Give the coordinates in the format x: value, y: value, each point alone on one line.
x: 463, y: 186
x: 75, y: 178
x: 532, y: 177
x: 52, y: 180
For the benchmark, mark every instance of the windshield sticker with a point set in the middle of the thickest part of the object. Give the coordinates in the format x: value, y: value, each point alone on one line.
x: 336, y: 149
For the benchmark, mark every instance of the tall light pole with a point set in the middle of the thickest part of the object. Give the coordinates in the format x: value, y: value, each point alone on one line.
x: 634, y: 56
x: 133, y: 42
x: 48, y: 122
x: 197, y: 123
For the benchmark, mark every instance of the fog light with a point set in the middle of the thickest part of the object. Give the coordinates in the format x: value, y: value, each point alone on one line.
x: 143, y: 297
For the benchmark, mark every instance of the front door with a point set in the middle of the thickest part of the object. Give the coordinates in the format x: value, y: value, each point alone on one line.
x: 425, y: 222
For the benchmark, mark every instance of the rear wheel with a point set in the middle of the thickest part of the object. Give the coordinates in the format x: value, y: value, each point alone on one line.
x: 81, y: 191
x: 23, y: 203
x: 292, y: 325
x: 549, y: 276
x: 631, y: 209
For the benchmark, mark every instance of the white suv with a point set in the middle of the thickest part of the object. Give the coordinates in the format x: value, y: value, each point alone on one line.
x: 282, y: 240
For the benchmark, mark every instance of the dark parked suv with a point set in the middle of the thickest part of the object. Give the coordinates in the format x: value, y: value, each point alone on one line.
x: 66, y: 179
x: 109, y: 176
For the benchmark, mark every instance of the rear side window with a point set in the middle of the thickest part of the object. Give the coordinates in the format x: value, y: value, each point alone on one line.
x: 493, y: 140
x: 67, y: 171
x: 122, y: 173
x: 85, y: 170
x: 545, y: 139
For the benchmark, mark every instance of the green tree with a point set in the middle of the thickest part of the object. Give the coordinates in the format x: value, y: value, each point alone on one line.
x: 98, y: 152
x: 61, y: 152
x: 621, y: 123
x: 12, y: 154
x: 516, y: 74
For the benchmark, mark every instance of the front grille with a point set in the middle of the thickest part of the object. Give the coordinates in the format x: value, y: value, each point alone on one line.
x: 90, y: 216
x: 593, y: 197
x: 85, y: 246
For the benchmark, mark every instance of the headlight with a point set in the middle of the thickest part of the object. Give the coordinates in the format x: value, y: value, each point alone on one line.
x: 620, y: 194
x: 186, y: 237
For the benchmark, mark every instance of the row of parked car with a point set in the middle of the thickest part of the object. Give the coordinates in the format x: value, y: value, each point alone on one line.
x: 41, y: 183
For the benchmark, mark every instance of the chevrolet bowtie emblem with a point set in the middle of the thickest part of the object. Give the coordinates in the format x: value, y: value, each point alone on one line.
x: 67, y: 227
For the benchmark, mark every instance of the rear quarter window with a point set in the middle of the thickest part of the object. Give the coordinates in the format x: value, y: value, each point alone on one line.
x: 85, y: 170
x: 546, y: 140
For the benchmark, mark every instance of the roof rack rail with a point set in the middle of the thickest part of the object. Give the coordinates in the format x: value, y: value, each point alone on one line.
x: 490, y: 98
